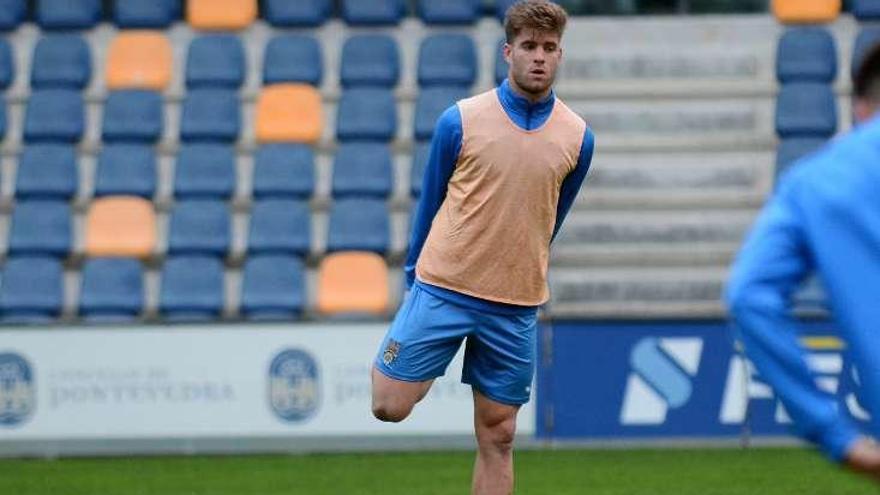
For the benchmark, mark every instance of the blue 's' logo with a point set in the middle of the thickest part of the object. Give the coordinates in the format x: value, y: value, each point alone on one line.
x: 294, y: 385
x: 17, y: 396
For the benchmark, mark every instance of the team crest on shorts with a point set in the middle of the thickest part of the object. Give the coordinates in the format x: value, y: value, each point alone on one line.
x: 391, y: 352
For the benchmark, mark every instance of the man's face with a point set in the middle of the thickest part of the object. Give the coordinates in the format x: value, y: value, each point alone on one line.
x: 533, y: 57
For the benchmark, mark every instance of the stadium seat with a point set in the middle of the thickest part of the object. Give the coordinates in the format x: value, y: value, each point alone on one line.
x: 431, y: 103
x: 139, y: 60
x: 54, y: 115
x: 806, y: 109
x: 284, y: 171
x: 40, y: 227
x: 366, y: 114
x: 289, y: 113
x: 120, y: 226
x: 32, y: 290
x: 362, y: 170
x: 273, y: 288
x: 200, y: 227
x: 867, y: 38
x: 280, y: 226
x: 806, y: 54
x: 417, y: 170
x: 138, y: 14
x: 501, y: 65
x: 359, y: 225
x: 205, y: 171
x: 806, y: 11
x: 112, y: 289
x: 192, y: 289
x: 126, y: 169
x: 373, y: 12
x: 223, y: 15
x: 501, y: 7
x: 65, y: 14
x: 370, y: 60
x: 302, y: 13
x: 215, y: 61
x: 12, y: 14
x: 293, y: 59
x: 353, y: 282
x: 793, y: 149
x: 211, y: 115
x: 7, y: 65
x: 132, y: 115
x: 449, y: 11
x: 447, y: 60
x: 46, y: 171
x: 61, y: 61
x: 866, y: 10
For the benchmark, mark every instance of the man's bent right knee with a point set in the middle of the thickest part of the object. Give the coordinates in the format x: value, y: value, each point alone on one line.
x: 393, y: 400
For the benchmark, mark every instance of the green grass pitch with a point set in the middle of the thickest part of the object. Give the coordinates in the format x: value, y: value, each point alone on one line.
x: 563, y: 472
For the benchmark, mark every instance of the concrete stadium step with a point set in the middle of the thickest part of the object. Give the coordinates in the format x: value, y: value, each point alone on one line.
x: 637, y: 292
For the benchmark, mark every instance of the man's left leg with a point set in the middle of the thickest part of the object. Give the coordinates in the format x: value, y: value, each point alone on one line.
x: 495, y: 428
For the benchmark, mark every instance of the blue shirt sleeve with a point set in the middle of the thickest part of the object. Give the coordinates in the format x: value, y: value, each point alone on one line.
x: 572, y: 183
x: 445, y: 147
x: 772, y: 263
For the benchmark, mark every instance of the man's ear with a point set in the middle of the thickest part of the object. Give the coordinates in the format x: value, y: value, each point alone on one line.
x: 507, y: 52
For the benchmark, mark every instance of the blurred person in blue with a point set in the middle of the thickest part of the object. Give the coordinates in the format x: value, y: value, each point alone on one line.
x: 823, y: 218
x: 504, y: 169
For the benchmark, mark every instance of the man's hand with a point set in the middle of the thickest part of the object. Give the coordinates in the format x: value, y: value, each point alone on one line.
x: 863, y: 457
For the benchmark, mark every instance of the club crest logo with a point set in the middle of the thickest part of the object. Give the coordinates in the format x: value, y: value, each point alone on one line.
x: 294, y: 385
x: 391, y: 352
x: 17, y: 394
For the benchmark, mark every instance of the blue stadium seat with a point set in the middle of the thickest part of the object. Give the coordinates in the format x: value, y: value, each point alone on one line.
x: 367, y: 113
x: 205, y: 171
x: 12, y: 13
x: 419, y: 164
x: 67, y: 14
x: 215, y: 60
x: 359, y: 225
x: 211, y: 115
x: 145, y: 14
x: 47, y: 171
x: 362, y: 169
x: 61, y: 61
x: 40, y: 227
x: 806, y: 54
x: 284, y: 170
x: 132, y: 115
x: 273, y: 288
x: 126, y: 169
x: 806, y: 109
x: 373, y: 12
x: 32, y: 290
x: 293, y: 58
x: 431, y: 103
x: 192, y: 289
x: 501, y: 65
x: 449, y: 11
x: 501, y: 7
x: 54, y: 115
x: 370, y: 60
x: 447, y: 60
x: 112, y: 289
x: 867, y: 38
x: 866, y: 10
x: 280, y: 226
x: 793, y: 149
x: 7, y: 66
x: 301, y: 13
x: 199, y: 226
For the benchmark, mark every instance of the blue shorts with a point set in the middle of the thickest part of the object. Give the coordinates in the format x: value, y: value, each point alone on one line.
x: 427, y: 332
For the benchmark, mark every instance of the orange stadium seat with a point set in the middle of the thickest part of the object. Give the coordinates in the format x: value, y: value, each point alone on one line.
x: 806, y: 11
x: 289, y: 113
x: 120, y: 226
x: 139, y: 60
x: 221, y: 14
x: 353, y: 282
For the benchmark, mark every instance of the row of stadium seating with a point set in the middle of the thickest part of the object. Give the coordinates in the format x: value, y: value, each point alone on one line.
x: 822, y: 11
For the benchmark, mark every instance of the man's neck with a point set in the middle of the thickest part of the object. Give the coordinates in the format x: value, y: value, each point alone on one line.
x: 531, y: 97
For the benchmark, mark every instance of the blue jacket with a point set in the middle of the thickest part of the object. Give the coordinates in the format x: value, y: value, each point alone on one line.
x: 824, y: 217
x: 445, y: 147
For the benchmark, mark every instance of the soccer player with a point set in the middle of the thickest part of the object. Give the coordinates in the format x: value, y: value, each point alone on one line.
x: 504, y: 169
x: 825, y: 217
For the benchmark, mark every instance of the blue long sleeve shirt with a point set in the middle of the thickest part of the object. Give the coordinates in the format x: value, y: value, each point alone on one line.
x: 825, y: 218
x: 445, y: 148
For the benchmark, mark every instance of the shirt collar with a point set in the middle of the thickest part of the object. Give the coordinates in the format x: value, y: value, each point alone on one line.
x: 515, y: 103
